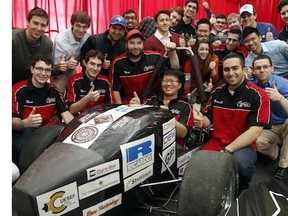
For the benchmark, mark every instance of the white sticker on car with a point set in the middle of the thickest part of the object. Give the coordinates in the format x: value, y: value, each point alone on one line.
x: 168, y: 126
x: 169, y: 156
x: 104, y: 206
x: 85, y: 135
x: 58, y: 201
x: 98, y: 185
x: 102, y: 169
x: 137, y: 155
x: 169, y: 138
x: 137, y: 178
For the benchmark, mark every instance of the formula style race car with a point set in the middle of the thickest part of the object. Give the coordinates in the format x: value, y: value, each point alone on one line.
x: 110, y: 158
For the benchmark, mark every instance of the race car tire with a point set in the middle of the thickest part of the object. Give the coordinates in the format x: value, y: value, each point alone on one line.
x: 34, y: 147
x: 209, y: 185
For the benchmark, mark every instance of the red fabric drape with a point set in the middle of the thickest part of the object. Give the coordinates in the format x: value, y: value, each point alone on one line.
x: 101, y: 11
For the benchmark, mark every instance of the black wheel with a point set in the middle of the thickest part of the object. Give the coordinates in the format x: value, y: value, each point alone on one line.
x: 40, y: 140
x: 209, y: 185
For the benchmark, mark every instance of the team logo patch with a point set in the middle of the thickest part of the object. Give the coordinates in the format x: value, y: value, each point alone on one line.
x: 84, y: 134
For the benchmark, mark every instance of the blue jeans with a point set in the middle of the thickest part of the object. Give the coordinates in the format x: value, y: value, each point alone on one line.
x: 19, y: 139
x: 246, y: 158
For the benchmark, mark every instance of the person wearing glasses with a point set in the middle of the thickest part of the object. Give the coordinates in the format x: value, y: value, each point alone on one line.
x: 131, y: 19
x: 283, y: 11
x: 232, y: 44
x: 219, y: 29
x: 171, y: 81
x: 34, y: 102
x: 277, y: 50
x: 276, y: 88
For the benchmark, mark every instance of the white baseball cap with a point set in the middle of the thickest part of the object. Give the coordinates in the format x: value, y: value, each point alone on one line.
x: 247, y: 8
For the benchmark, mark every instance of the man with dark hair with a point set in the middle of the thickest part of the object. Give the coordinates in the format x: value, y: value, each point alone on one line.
x: 276, y: 88
x: 219, y: 26
x: 89, y: 88
x: 34, y: 102
x: 283, y: 11
x: 111, y: 43
x: 248, y: 17
x: 232, y: 44
x: 277, y: 50
x: 131, y: 18
x: 132, y: 70
x: 66, y: 51
x: 187, y: 24
x: 147, y: 26
x: 203, y: 31
x: 238, y: 110
x: 171, y: 81
x: 28, y: 43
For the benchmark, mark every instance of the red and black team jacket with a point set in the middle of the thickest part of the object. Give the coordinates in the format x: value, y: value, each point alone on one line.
x: 79, y: 85
x: 182, y: 111
x: 127, y: 76
x: 46, y: 100
x: 232, y: 115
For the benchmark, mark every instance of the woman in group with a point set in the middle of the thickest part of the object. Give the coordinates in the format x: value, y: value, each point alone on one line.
x: 208, y: 63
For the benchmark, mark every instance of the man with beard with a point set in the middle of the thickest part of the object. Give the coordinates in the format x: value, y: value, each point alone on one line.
x: 277, y: 50
x: 28, y: 43
x: 111, y: 43
x: 132, y: 70
x: 130, y: 17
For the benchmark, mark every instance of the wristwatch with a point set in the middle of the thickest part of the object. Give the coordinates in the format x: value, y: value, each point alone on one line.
x: 227, y: 151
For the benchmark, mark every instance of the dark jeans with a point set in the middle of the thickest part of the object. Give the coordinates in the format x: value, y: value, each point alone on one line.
x: 246, y: 159
x: 19, y: 139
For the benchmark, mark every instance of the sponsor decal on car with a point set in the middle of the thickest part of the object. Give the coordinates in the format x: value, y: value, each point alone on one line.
x: 98, y: 185
x: 88, y: 117
x: 58, y: 201
x: 169, y: 138
x: 182, y: 170
x: 169, y: 156
x: 168, y: 126
x: 183, y: 159
x: 102, y: 169
x: 137, y: 178
x: 103, y: 119
x: 84, y: 134
x: 106, y: 118
x: 103, y: 207
x: 137, y: 155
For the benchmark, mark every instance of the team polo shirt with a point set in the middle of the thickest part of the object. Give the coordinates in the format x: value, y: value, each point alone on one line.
x: 128, y: 76
x: 221, y: 51
x: 232, y: 115
x: 182, y: 111
x: 46, y: 100
x: 79, y: 85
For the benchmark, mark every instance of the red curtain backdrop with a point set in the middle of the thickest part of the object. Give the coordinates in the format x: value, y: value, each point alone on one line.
x: 101, y: 11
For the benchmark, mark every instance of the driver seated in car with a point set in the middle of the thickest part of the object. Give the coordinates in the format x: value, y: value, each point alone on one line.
x: 171, y: 81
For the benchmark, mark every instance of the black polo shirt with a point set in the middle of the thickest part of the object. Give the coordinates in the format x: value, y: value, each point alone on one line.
x: 46, y: 100
x: 79, y: 85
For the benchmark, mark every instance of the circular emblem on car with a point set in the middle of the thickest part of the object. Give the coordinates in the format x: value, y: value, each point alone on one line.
x: 84, y: 134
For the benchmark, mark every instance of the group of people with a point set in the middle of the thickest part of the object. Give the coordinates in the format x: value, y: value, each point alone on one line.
x: 245, y: 61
